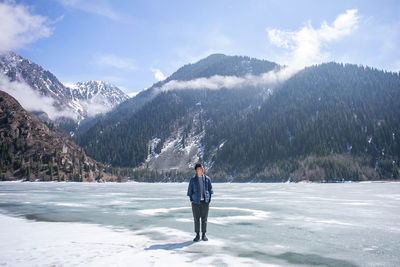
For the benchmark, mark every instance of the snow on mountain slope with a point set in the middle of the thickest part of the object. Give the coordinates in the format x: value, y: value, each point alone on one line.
x: 182, y: 149
x: 94, y: 97
x: 20, y: 72
x: 179, y: 151
x: 79, y: 100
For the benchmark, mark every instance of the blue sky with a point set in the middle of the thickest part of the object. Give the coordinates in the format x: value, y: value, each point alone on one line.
x: 135, y: 43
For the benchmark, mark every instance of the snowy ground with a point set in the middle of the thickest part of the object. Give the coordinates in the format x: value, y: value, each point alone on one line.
x: 135, y: 224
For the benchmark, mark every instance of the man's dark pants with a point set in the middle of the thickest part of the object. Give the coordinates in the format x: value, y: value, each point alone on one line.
x: 200, y: 211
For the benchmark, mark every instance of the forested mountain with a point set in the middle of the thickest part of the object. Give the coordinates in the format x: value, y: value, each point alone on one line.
x: 32, y: 150
x: 215, y: 64
x: 333, y: 121
x: 328, y: 122
x: 165, y: 130
x: 220, y: 64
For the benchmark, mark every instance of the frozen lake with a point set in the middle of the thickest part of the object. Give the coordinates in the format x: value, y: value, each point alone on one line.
x: 145, y: 224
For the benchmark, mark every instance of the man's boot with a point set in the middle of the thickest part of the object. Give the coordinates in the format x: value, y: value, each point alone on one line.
x: 204, y: 238
x: 197, y: 238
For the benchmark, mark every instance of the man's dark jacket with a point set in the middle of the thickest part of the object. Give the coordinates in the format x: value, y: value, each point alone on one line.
x: 194, y: 189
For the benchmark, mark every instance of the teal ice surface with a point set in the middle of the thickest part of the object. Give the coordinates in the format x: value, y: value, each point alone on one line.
x: 344, y: 224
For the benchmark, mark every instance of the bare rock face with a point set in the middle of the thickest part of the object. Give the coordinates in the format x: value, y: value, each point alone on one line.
x: 181, y: 150
x: 33, y: 150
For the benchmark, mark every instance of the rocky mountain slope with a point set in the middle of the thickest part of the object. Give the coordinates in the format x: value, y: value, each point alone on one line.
x: 32, y: 150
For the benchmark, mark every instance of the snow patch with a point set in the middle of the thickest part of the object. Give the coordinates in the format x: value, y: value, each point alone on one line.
x: 181, y: 150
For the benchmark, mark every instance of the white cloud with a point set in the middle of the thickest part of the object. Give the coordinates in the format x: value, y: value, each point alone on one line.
x: 132, y: 94
x: 116, y: 62
x: 98, y: 7
x: 305, y: 48
x: 31, y: 100
x: 18, y: 26
x: 342, y: 26
x: 158, y: 75
x: 218, y: 81
x: 96, y: 105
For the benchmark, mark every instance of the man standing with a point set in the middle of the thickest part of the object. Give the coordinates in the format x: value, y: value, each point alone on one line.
x: 199, y: 191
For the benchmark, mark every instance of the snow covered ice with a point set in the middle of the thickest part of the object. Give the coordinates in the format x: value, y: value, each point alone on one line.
x: 151, y: 224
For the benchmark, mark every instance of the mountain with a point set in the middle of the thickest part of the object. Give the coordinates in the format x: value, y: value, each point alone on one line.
x: 220, y: 64
x: 95, y: 97
x: 33, y: 150
x: 167, y: 130
x: 329, y: 122
x: 215, y: 64
x: 68, y: 104
x: 17, y: 68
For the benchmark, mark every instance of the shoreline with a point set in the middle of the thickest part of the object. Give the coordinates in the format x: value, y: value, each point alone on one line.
x: 233, y: 182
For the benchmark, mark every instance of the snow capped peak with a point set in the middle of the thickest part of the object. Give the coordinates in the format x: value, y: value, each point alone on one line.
x: 90, y: 89
x: 95, y: 96
x: 80, y: 100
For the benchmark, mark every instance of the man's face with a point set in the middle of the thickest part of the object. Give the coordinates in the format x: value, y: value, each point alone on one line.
x: 199, y: 171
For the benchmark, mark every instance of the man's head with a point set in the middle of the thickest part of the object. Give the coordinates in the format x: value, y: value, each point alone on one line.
x: 199, y: 169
